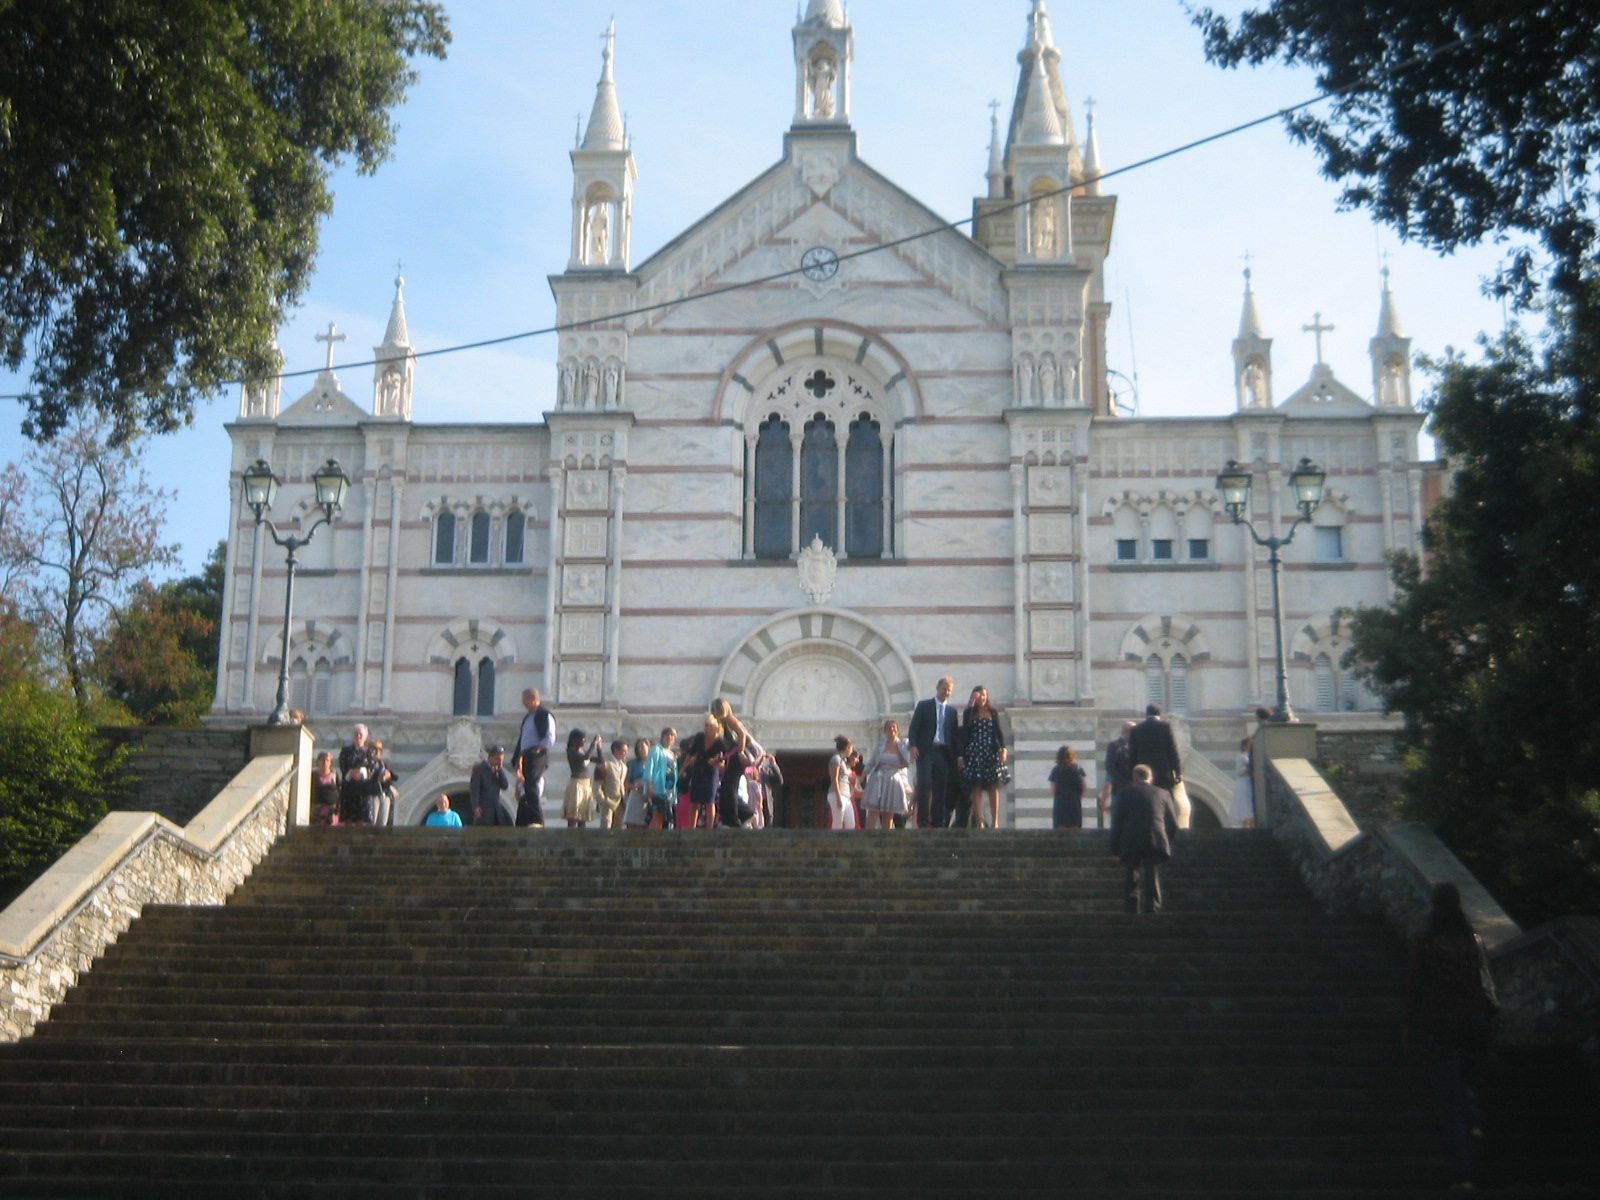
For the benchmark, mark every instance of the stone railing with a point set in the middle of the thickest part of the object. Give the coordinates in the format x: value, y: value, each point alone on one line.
x: 1548, y: 980
x: 60, y: 925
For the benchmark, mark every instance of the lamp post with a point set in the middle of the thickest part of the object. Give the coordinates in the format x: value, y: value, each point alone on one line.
x: 260, y: 489
x: 1306, y: 480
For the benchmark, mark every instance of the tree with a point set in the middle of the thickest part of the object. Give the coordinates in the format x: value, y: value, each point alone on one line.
x: 1493, y: 654
x: 1464, y: 120
x: 159, y: 656
x: 164, y: 166
x: 79, y: 526
x: 55, y: 776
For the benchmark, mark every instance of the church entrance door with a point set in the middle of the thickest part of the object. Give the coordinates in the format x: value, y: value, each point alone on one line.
x: 804, y: 800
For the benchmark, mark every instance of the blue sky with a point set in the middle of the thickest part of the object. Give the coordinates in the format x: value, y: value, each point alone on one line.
x: 476, y: 200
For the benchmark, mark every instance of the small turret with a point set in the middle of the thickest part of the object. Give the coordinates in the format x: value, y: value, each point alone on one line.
x: 1252, y: 354
x: 824, y: 47
x: 603, y: 175
x: 395, y: 363
x: 1391, y: 355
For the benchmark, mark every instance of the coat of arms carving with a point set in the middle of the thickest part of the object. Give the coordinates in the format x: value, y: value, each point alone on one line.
x: 819, y: 570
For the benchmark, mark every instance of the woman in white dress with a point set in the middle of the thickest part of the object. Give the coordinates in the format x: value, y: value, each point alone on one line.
x: 888, y: 789
x: 1243, y: 810
x: 841, y: 785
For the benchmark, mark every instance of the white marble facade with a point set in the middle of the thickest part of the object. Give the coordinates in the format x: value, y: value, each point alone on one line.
x: 672, y: 531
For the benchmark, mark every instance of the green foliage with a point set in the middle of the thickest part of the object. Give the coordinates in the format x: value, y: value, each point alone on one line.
x: 54, y: 778
x: 1493, y: 653
x: 159, y: 657
x: 1482, y: 117
x: 163, y: 170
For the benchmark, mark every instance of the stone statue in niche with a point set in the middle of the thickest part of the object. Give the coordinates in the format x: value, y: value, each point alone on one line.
x: 1043, y: 223
x: 598, y: 252
x: 1255, y: 384
x: 1389, y: 392
x: 1024, y: 383
x: 819, y: 80
x: 613, y: 385
x: 591, y: 385
x: 569, y: 386
x: 1047, y: 381
x: 389, y: 393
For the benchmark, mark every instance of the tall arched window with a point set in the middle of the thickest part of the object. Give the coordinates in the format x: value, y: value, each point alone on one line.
x: 321, y: 689
x: 1167, y: 683
x: 444, y: 539
x: 516, y: 537
x: 774, y: 471
x: 819, y: 483
x: 461, y: 702
x: 478, y: 546
x: 863, y: 489
x: 485, y: 687
x: 819, y: 458
x: 299, y: 686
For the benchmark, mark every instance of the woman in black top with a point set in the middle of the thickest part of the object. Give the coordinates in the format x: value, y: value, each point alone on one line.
x: 1066, y: 789
x: 577, y: 806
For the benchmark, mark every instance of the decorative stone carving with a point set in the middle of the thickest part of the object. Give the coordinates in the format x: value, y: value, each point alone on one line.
x: 582, y: 633
x: 819, y: 172
x: 1053, y: 631
x: 587, y: 491
x: 580, y: 683
x: 1055, y: 680
x: 819, y: 571
x: 586, y: 537
x: 584, y: 585
x: 1050, y: 487
x: 463, y: 743
x: 1051, y: 583
x: 817, y: 688
x: 1050, y: 533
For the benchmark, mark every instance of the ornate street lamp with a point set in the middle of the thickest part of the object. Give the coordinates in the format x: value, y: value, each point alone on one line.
x: 1306, y: 480
x: 260, y: 489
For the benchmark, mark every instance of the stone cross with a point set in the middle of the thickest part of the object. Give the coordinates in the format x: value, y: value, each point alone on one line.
x: 1318, y: 328
x: 333, y: 335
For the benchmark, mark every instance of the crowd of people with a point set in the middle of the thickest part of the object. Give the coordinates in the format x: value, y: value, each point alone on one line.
x: 945, y: 770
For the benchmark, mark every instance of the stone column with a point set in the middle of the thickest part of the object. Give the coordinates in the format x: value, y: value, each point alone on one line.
x: 397, y: 493
x: 1019, y: 580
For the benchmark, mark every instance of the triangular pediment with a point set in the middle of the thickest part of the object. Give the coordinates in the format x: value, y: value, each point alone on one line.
x: 324, y: 404
x: 1324, y: 396
x: 844, y: 205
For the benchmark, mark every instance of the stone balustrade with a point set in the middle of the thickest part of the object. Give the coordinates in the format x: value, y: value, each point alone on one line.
x: 82, y: 904
x: 1548, y: 979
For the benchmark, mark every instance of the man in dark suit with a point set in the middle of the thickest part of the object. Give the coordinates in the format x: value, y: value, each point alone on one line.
x: 1144, y: 822
x: 1152, y: 744
x: 486, y: 785
x: 932, y: 734
x: 1118, y: 770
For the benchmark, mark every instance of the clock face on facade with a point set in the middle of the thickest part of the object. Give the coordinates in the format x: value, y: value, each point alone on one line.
x: 819, y: 263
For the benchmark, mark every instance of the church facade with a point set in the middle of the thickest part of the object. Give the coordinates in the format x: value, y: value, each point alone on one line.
x: 809, y: 461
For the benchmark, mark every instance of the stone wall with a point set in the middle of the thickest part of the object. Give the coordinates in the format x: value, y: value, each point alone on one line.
x: 175, y: 771
x: 1548, y: 980
x: 83, y: 903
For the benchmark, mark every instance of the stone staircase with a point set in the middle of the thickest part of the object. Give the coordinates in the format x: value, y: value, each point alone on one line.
x: 492, y: 1013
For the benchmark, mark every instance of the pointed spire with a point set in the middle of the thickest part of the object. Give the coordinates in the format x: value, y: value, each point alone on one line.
x: 396, y: 333
x: 1040, y: 36
x: 1039, y: 87
x: 997, y: 164
x: 1040, y: 124
x: 1091, y: 156
x: 1250, y: 318
x: 827, y: 12
x: 1388, y: 314
x: 606, y: 131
